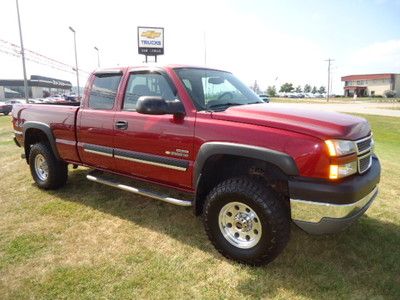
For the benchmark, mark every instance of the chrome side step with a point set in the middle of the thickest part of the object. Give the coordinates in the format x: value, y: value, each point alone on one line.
x: 96, y: 177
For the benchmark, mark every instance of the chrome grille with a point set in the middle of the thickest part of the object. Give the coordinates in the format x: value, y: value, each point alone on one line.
x: 364, y: 145
x: 364, y: 163
x: 364, y: 151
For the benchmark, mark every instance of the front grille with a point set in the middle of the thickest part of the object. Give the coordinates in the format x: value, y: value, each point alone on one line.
x: 364, y: 151
x: 364, y: 145
x: 364, y: 163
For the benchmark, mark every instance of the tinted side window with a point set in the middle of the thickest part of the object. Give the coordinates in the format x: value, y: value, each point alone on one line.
x: 104, y: 90
x: 149, y: 84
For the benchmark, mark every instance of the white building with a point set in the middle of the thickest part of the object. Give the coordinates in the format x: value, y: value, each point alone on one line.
x: 371, y: 84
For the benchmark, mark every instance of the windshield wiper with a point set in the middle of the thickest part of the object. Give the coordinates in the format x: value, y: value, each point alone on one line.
x: 227, y: 104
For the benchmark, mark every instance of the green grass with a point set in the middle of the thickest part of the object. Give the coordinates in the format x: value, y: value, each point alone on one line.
x: 335, y: 100
x: 393, y: 108
x: 89, y: 241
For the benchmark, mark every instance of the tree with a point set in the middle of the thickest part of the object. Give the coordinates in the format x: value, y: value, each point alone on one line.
x: 322, y: 90
x: 307, y: 88
x: 286, y: 88
x: 271, y: 91
x: 298, y: 89
x: 314, y: 90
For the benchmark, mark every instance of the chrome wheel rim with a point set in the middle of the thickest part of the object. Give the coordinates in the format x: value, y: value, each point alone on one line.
x: 240, y: 225
x: 41, y: 167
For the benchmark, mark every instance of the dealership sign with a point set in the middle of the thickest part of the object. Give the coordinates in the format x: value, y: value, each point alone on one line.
x: 151, y: 41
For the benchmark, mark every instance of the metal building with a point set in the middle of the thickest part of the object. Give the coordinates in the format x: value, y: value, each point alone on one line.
x: 38, y: 87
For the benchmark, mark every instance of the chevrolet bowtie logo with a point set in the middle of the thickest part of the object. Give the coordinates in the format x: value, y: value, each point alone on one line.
x: 150, y: 34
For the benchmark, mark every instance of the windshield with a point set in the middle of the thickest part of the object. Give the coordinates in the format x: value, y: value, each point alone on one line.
x: 215, y: 90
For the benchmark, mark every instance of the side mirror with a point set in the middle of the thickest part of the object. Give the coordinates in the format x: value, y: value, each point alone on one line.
x: 154, y: 105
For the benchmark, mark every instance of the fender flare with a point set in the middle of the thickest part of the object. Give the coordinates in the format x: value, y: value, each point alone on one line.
x: 282, y: 160
x: 46, y: 130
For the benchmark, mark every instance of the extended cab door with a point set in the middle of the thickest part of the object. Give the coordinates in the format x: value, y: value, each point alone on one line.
x: 95, y: 120
x: 153, y: 147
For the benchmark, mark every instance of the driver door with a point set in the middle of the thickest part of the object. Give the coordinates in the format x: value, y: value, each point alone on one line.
x: 153, y: 147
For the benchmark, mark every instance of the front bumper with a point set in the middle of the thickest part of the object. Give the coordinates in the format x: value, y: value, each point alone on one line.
x: 320, y: 207
x: 16, y: 142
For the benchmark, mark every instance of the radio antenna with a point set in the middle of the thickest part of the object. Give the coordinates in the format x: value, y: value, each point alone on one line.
x: 205, y: 48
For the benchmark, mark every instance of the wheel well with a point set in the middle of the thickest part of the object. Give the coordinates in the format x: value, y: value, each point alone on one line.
x: 33, y: 136
x: 221, y: 167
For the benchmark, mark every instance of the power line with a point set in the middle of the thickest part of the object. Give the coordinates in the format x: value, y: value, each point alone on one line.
x: 43, y: 63
x: 9, y: 48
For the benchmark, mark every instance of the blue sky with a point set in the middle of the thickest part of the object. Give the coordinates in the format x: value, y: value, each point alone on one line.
x: 338, y: 26
x: 269, y: 41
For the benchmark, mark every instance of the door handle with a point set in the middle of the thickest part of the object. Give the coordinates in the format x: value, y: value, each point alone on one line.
x: 123, y: 125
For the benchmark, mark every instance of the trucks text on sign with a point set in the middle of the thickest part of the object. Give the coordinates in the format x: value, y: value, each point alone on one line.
x: 151, y: 40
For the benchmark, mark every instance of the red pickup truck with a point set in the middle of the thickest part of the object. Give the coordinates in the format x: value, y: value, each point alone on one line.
x: 247, y: 167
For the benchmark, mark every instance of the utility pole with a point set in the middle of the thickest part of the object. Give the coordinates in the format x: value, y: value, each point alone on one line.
x: 22, y: 55
x: 98, y: 56
x: 76, y: 62
x: 329, y: 60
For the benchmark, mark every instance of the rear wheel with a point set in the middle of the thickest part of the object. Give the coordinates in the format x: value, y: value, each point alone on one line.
x: 246, y: 221
x: 6, y: 113
x: 46, y: 170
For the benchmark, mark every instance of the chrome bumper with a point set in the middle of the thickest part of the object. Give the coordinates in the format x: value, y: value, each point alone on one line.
x: 319, y: 218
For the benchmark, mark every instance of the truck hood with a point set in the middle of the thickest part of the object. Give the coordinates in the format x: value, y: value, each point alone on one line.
x: 317, y: 123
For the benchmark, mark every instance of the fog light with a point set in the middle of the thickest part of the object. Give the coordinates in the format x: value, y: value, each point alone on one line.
x: 333, y: 171
x: 340, y: 171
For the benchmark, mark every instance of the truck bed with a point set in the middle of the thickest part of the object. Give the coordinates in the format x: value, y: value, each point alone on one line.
x: 60, y: 119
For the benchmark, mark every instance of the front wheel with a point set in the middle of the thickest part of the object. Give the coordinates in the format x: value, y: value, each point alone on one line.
x: 46, y: 170
x: 246, y: 221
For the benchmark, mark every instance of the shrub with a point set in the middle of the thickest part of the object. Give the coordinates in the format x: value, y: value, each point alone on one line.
x: 389, y: 94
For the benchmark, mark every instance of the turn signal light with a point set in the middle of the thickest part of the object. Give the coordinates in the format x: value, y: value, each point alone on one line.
x: 333, y: 172
x: 331, y: 148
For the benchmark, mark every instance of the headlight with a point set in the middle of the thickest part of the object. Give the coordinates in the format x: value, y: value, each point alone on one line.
x: 343, y: 158
x: 340, y: 147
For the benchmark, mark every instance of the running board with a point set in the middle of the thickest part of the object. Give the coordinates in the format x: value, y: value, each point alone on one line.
x: 96, y: 177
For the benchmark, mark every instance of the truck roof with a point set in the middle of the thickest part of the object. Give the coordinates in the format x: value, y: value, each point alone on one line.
x: 155, y: 66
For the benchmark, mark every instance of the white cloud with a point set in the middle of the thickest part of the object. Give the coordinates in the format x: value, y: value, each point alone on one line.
x: 379, y: 56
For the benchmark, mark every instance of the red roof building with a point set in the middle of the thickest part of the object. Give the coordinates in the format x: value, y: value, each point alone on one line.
x: 371, y: 84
